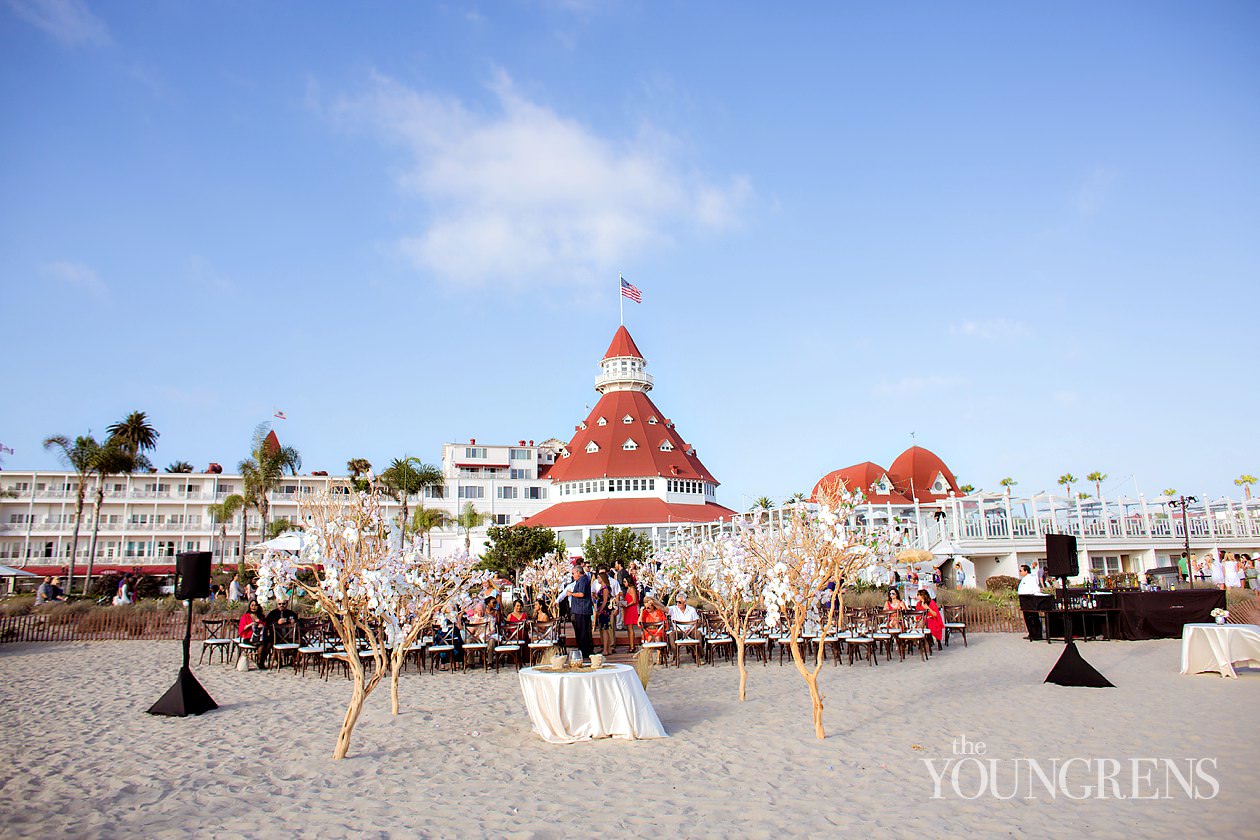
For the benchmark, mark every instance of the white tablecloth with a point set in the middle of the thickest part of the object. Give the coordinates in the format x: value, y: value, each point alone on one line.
x: 609, y: 703
x: 1217, y: 647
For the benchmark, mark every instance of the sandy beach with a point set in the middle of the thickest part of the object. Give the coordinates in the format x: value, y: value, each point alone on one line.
x: 81, y: 759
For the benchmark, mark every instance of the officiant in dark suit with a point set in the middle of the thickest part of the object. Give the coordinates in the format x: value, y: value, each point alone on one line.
x: 581, y: 610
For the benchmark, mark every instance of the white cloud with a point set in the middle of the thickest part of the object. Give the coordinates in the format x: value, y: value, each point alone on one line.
x: 997, y: 328
x: 69, y: 21
x: 79, y: 276
x: 912, y: 385
x: 521, y: 195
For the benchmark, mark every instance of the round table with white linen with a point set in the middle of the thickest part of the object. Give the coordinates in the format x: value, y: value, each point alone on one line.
x: 576, y: 706
x: 1218, y: 647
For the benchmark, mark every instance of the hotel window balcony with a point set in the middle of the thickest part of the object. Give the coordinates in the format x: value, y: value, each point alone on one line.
x: 634, y: 376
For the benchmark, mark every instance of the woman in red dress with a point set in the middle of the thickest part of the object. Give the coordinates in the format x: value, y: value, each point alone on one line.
x: 630, y: 605
x: 935, y: 624
x: 253, y: 616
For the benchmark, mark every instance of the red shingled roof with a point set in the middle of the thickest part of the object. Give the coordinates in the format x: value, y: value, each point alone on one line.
x: 612, y: 460
x: 622, y: 345
x: 860, y: 477
x: 624, y: 512
x: 914, y: 471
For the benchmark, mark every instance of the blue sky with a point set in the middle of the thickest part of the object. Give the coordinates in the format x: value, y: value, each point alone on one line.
x: 1028, y: 235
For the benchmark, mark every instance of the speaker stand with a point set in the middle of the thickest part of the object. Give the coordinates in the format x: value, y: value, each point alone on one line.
x: 186, y: 696
x: 1072, y: 669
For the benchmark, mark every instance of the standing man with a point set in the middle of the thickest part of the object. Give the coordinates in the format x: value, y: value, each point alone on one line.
x: 581, y: 610
x: 960, y: 574
x: 1028, y: 585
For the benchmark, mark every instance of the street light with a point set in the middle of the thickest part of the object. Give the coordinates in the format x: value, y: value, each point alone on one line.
x: 1181, y: 502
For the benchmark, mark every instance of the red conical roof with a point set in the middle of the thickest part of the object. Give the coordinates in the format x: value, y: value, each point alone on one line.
x: 624, y: 512
x: 914, y: 472
x: 859, y: 477
x: 622, y: 345
x: 647, y: 427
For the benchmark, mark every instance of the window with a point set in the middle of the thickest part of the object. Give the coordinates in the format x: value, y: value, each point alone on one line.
x: 519, y: 454
x: 601, y: 422
x: 431, y: 492
x: 519, y: 474
x: 592, y: 447
x: 535, y: 493
x: 652, y: 421
x: 1100, y: 565
x: 502, y: 519
x: 627, y: 419
x: 629, y: 445
x: 474, y: 452
x: 666, y: 446
x: 472, y: 492
x: 507, y: 492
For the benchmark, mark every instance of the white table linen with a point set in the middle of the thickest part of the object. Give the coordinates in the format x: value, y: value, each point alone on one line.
x: 1218, y: 647
x: 570, y: 707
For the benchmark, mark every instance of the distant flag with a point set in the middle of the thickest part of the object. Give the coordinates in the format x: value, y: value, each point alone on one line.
x: 631, y: 291
x: 280, y: 415
x: 5, y: 449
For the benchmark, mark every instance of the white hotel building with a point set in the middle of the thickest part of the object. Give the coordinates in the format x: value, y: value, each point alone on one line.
x: 626, y: 465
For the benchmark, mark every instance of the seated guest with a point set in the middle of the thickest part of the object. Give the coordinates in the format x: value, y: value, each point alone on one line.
x: 253, y: 624
x: 682, y: 611
x: 49, y: 590
x: 542, y: 612
x: 935, y: 623
x: 895, y: 607
x: 280, y: 620
x: 476, y: 611
x: 517, y: 614
x: 652, y: 614
x: 446, y: 632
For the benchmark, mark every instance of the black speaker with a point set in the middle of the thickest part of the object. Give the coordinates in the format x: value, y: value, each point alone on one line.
x: 192, y: 575
x: 1061, y: 556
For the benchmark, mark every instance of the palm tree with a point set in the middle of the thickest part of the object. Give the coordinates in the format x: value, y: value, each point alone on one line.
x: 136, y: 436
x: 1245, y: 481
x: 794, y: 499
x: 468, y: 519
x: 267, y: 463
x: 406, y: 477
x: 221, y: 513
x: 179, y: 467
x: 358, y: 468
x: 278, y: 527
x: 1008, y: 483
x: 1098, y: 478
x: 110, y: 459
x: 1067, y: 480
x: 966, y: 489
x: 79, y: 456
x: 1169, y: 491
x: 424, y: 520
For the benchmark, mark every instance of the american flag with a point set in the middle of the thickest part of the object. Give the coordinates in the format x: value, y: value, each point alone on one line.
x: 280, y: 415
x: 631, y: 291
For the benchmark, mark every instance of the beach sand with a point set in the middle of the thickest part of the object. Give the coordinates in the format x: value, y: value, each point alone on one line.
x: 82, y: 759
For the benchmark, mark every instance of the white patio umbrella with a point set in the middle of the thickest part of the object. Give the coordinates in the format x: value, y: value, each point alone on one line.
x: 9, y: 571
x: 290, y: 541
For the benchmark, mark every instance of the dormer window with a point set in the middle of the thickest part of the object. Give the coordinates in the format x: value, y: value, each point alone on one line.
x: 691, y: 450
x: 666, y: 446
x: 601, y: 422
x: 651, y: 421
x: 629, y: 445
x: 940, y: 486
x: 592, y: 447
x: 627, y: 419
x: 881, y: 487
x: 582, y: 425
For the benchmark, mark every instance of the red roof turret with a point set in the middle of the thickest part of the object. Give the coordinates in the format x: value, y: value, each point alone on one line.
x: 622, y: 345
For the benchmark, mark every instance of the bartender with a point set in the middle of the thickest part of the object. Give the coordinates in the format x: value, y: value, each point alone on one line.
x: 1028, y: 585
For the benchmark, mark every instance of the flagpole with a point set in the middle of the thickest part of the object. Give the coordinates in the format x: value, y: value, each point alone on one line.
x: 621, y: 299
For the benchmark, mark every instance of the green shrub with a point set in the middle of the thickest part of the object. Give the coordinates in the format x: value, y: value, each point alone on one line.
x: 997, y: 583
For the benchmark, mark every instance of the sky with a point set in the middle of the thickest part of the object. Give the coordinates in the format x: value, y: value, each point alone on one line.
x: 1024, y: 236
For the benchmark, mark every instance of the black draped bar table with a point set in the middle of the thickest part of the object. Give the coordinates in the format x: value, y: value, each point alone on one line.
x: 1126, y: 614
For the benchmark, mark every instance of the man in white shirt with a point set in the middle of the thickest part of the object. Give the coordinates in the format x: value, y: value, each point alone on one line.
x: 682, y: 611
x: 1028, y: 585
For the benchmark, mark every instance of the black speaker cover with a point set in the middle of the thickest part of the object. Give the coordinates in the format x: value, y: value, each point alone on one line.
x: 192, y: 575
x: 1072, y: 669
x: 1061, y: 556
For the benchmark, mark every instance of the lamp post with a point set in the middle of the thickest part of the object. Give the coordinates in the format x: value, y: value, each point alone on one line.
x: 1181, y: 502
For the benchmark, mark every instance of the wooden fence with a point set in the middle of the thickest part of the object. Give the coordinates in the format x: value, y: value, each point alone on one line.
x: 112, y: 625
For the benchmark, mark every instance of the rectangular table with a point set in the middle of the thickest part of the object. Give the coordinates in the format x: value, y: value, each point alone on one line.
x: 1218, y: 647
x: 1136, y: 615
